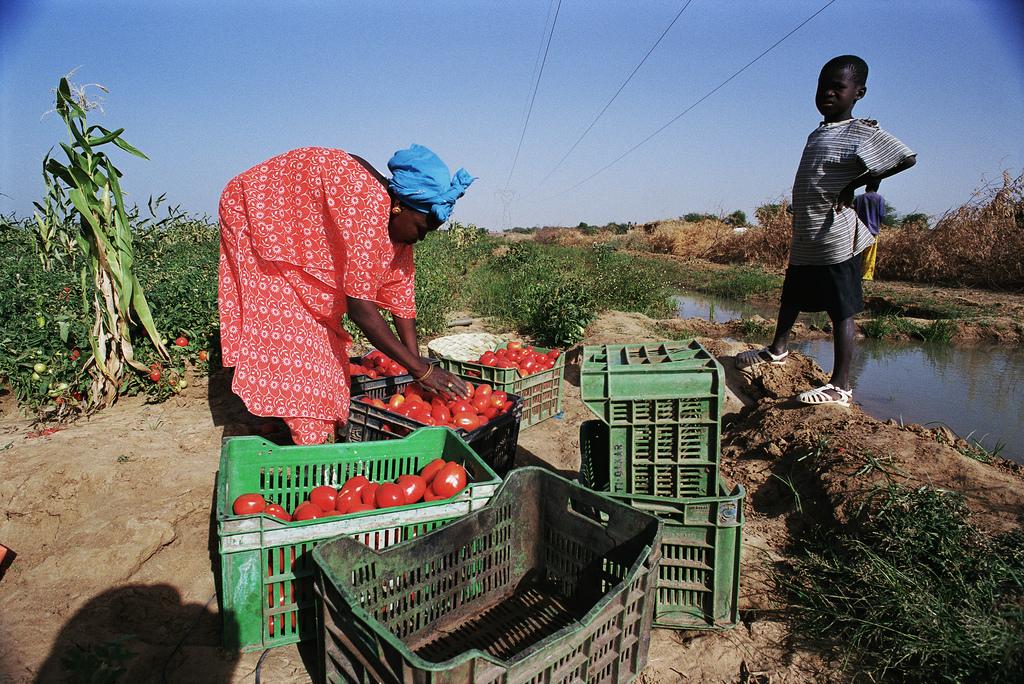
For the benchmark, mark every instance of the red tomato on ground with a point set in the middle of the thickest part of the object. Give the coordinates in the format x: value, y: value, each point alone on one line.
x: 324, y: 497
x: 307, y: 511
x: 431, y: 469
x: 412, y: 486
x: 181, y: 341
x: 278, y: 512
x: 204, y: 355
x: 389, y: 495
x: 247, y: 504
x: 449, y: 481
x: 154, y: 375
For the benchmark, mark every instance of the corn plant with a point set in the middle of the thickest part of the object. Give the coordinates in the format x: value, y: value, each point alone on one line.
x: 91, y: 183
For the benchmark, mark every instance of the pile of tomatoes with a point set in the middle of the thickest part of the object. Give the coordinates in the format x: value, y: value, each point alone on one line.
x: 425, y: 407
x: 438, y: 480
x: 376, y: 364
x: 526, y: 359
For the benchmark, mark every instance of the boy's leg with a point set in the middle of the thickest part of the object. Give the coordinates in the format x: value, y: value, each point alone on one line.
x: 843, y: 333
x: 788, y: 313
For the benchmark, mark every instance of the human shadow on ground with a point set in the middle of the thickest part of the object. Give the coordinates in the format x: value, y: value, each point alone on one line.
x: 140, y: 633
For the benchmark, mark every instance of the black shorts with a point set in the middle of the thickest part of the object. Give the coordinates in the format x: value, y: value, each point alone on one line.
x: 835, y: 288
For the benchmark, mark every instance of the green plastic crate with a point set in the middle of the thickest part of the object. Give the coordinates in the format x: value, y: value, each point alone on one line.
x: 658, y: 383
x: 550, y: 583
x: 266, y: 592
x: 699, y: 573
x: 673, y: 460
x: 541, y: 392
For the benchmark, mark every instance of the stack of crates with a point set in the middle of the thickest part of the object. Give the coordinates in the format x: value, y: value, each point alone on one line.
x: 657, y: 446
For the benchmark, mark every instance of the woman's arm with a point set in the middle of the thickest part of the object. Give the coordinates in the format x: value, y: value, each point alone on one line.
x: 406, y: 328
x: 366, y: 316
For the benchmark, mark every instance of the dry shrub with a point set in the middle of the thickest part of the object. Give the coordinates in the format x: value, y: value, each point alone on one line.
x: 980, y: 243
x: 681, y: 238
x: 765, y: 244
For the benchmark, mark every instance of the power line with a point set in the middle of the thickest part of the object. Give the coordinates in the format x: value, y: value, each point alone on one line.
x: 704, y: 97
x: 617, y: 92
x: 533, y: 97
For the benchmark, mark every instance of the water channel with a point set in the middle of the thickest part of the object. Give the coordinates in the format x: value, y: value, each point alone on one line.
x: 977, y: 391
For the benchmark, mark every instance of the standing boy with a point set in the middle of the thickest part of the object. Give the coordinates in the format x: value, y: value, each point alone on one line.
x: 870, y: 208
x: 824, y: 272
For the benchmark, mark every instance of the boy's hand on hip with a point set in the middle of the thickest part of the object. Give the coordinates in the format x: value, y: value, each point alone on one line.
x: 845, y: 199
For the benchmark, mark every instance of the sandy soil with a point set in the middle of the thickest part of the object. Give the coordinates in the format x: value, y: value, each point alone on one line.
x: 111, y: 519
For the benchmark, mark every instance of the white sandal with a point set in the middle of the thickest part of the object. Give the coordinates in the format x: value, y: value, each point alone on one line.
x: 755, y: 357
x: 820, y: 395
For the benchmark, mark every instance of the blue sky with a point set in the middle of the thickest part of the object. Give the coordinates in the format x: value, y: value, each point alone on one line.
x: 210, y: 89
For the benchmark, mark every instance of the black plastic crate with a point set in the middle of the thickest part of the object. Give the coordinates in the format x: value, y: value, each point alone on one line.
x: 494, y: 442
x: 379, y: 388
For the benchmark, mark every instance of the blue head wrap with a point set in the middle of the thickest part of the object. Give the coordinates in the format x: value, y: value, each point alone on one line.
x: 421, y: 180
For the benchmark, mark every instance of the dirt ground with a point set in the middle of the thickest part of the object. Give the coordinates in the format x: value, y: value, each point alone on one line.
x: 112, y: 522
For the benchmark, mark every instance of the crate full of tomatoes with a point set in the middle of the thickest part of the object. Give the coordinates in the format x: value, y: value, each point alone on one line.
x: 489, y: 421
x: 377, y: 375
x: 535, y: 374
x: 275, y: 504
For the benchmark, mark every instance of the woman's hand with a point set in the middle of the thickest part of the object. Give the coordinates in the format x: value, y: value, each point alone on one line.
x: 440, y: 381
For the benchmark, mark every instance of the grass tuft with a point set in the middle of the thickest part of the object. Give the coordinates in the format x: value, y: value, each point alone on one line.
x: 912, y: 592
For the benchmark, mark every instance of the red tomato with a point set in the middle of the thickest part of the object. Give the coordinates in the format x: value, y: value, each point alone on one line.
x: 514, y: 345
x: 378, y: 403
x: 429, y: 495
x: 324, y: 497
x: 355, y: 484
x: 181, y: 341
x: 498, y: 399
x: 490, y: 413
x: 554, y: 354
x: 412, y: 486
x: 278, y: 512
x: 506, y: 406
x: 441, y: 414
x: 467, y: 421
x: 489, y: 359
x: 361, y: 507
x: 481, y: 402
x: 449, y: 481
x: 307, y: 511
x: 346, y: 500
x: 483, y: 391
x: 396, y: 400
x: 247, y: 504
x: 528, y: 367
x: 431, y: 469
x: 154, y: 375
x: 389, y: 495
x: 372, y: 374
x: 369, y: 493
x: 460, y: 406
x: 501, y: 353
x: 505, y: 363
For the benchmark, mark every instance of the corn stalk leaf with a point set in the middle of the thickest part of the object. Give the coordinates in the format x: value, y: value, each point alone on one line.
x: 128, y: 148
x: 108, y: 137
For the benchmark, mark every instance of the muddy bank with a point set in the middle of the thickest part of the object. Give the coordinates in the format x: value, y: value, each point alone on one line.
x: 111, y: 519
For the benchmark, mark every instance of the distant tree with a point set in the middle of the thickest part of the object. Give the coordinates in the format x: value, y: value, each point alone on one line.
x: 737, y: 218
x: 914, y: 219
x: 892, y: 217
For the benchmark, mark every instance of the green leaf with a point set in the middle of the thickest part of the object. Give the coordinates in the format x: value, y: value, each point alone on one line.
x: 120, y: 142
x: 141, y: 307
x: 79, y: 137
x: 95, y: 142
x: 65, y: 328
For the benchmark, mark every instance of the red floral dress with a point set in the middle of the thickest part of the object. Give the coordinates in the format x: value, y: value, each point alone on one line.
x: 299, y: 233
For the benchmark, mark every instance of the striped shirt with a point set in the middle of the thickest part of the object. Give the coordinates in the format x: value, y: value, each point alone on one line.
x: 835, y: 154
